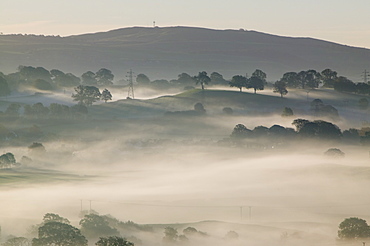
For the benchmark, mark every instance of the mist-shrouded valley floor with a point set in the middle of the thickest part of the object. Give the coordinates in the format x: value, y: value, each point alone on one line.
x: 155, y: 162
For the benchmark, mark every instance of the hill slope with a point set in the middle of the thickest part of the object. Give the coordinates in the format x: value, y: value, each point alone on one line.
x: 166, y: 52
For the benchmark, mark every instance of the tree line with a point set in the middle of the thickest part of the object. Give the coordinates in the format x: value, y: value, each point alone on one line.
x: 45, y: 80
x: 317, y: 129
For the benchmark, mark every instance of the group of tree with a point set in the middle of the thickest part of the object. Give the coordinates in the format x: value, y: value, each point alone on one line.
x: 39, y: 111
x: 58, y: 231
x: 86, y: 95
x: 42, y: 79
x: 305, y: 129
x: 257, y: 81
x: 171, y: 235
x: 312, y: 79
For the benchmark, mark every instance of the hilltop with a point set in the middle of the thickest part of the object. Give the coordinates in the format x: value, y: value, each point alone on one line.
x: 166, y: 52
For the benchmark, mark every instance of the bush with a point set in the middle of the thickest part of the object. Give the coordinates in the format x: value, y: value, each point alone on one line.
x: 333, y: 152
x: 287, y: 112
x: 227, y: 110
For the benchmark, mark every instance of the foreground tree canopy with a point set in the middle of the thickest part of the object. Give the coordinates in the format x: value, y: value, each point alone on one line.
x: 59, y: 234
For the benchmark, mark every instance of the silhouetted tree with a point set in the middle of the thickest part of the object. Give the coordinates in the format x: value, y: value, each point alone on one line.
x: 353, y: 228
x: 202, y: 79
x: 170, y: 235
x: 342, y: 84
x: 17, y: 241
x: 287, y: 112
x: 260, y: 74
x: 328, y: 77
x: 89, y: 78
x: 238, y: 81
x: 51, y: 217
x: 104, y: 77
x: 280, y: 87
x: 198, y: 107
x: 240, y: 132
x: 291, y: 79
x: 59, y: 234
x: 256, y: 83
x: 93, y: 226
x: 113, y: 241
x: 217, y: 78
x: 106, y: 95
x: 185, y: 79
x: 7, y: 160
x: 43, y: 85
x: 310, y: 78
x: 334, y: 152
x: 86, y: 95
x: 142, y: 79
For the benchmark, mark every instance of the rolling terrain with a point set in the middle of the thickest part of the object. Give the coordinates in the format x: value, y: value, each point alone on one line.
x: 168, y: 51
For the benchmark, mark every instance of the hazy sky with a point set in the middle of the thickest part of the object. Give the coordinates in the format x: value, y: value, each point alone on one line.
x: 341, y: 21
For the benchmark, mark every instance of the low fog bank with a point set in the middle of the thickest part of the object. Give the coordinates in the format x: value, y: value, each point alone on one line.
x: 161, y: 170
x: 168, y: 183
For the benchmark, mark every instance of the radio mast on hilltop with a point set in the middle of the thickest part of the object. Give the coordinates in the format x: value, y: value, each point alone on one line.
x: 130, y: 94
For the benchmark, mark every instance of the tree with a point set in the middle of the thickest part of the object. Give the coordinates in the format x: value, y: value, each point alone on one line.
x: 50, y: 217
x: 59, y: 234
x: 280, y: 87
x: 238, y: 81
x: 328, y: 77
x: 287, y: 112
x: 170, y: 235
x: 217, y: 78
x: 142, y: 79
x: 363, y: 88
x: 256, y: 83
x: 299, y: 123
x: 104, y: 77
x: 7, y: 160
x: 260, y: 74
x: 202, y: 79
x: 310, y: 78
x: 353, y: 228
x: 36, y: 148
x: 185, y: 79
x: 89, y: 78
x: 291, y: 79
x: 93, y: 226
x: 67, y: 80
x: 343, y: 84
x: 240, y: 132
x: 30, y: 74
x: 320, y: 129
x: 335, y: 153
x: 4, y: 87
x: 86, y: 95
x: 43, y: 85
x: 17, y: 241
x: 198, y: 107
x: 106, y: 95
x: 113, y: 241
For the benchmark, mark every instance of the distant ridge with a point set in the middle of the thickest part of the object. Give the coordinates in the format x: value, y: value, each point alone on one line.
x: 166, y: 52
